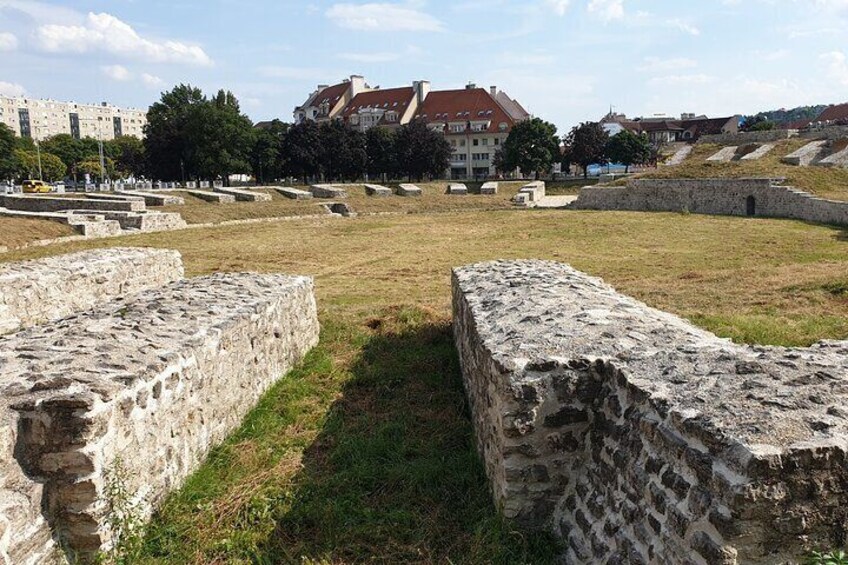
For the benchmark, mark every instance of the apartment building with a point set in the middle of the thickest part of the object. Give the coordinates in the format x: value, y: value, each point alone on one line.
x: 40, y: 119
x: 474, y: 120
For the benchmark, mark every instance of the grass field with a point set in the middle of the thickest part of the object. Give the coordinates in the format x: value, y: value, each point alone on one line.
x: 827, y: 183
x: 365, y: 453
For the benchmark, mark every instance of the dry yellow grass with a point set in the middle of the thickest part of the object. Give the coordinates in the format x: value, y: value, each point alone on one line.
x: 16, y: 232
x: 826, y: 182
x: 758, y: 280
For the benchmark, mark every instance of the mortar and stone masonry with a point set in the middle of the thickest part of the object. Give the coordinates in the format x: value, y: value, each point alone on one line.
x: 146, y: 383
x: 638, y: 438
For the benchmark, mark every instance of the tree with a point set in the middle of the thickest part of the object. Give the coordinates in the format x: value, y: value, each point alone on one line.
x: 532, y: 146
x: 91, y: 167
x: 128, y: 153
x: 380, y: 144
x: 25, y: 165
x: 266, y: 156
x: 627, y: 148
x: 342, y: 151
x: 586, y: 145
x: 218, y: 138
x: 7, y: 152
x: 421, y: 151
x: 301, y: 148
x: 758, y: 122
x: 165, y: 141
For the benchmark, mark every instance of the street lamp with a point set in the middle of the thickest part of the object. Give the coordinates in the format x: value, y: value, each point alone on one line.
x: 100, y: 144
x: 38, y: 152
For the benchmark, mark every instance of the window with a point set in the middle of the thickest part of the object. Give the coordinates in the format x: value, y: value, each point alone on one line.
x: 453, y: 142
x: 486, y: 142
x: 497, y: 141
x: 476, y: 142
x: 462, y: 143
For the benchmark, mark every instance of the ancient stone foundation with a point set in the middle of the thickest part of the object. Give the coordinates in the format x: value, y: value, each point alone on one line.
x: 138, y: 390
x: 39, y: 291
x: 638, y: 438
x: 734, y: 197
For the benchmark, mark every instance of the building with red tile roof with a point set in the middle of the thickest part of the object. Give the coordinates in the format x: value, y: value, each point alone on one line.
x: 837, y: 113
x: 390, y: 107
x: 327, y: 102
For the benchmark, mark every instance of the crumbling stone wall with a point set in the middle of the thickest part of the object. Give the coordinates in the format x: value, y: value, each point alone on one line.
x: 38, y: 291
x: 638, y: 438
x: 734, y: 197
x: 748, y: 137
x: 144, y: 384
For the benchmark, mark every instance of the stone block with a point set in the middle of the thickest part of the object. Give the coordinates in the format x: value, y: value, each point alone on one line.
x: 293, y: 193
x: 244, y: 195
x: 457, y: 188
x: 327, y: 191
x: 377, y: 190
x: 724, y: 155
x: 806, y: 155
x: 213, y: 197
x: 54, y: 204
x: 489, y: 188
x: 156, y: 199
x: 144, y: 386
x: 676, y: 448
x: 409, y: 190
x: 43, y: 290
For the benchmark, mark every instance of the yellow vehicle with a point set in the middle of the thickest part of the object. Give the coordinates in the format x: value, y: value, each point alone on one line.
x: 35, y: 186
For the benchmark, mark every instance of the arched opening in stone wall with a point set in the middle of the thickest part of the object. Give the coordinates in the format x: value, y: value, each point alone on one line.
x: 751, y: 206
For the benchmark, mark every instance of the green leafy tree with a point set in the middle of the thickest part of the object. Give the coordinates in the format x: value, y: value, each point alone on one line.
x: 301, y: 148
x: 343, y: 155
x: 72, y: 151
x: 532, y: 146
x: 25, y: 166
x: 266, y: 156
x: 586, y: 145
x: 91, y: 167
x: 8, y: 163
x: 218, y: 138
x: 165, y: 142
x: 421, y: 151
x: 128, y: 153
x: 627, y: 148
x: 380, y: 144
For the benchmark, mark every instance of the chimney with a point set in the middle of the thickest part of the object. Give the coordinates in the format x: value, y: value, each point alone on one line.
x: 470, y: 86
x: 322, y: 87
x: 422, y: 89
x: 357, y: 85
x: 493, y: 90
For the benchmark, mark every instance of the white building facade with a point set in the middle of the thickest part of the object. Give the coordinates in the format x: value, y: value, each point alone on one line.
x: 39, y: 119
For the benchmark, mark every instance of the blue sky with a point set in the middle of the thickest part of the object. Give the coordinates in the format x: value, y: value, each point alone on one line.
x: 566, y: 60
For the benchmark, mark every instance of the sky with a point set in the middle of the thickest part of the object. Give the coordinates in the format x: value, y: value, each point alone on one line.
x: 566, y: 61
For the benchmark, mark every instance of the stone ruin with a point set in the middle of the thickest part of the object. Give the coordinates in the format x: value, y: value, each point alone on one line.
x: 139, y: 374
x: 733, y: 197
x: 530, y: 194
x: 637, y: 438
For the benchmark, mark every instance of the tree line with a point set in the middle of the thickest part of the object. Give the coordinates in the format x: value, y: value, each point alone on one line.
x: 534, y: 147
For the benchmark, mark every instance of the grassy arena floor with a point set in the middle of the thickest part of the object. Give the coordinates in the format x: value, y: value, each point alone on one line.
x: 365, y: 453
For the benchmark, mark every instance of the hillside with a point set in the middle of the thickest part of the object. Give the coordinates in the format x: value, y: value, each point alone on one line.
x: 824, y: 182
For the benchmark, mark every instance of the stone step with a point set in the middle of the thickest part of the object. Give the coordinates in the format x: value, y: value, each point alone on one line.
x: 807, y: 154
x: 53, y: 204
x: 92, y: 224
x: 724, y: 155
x: 293, y: 193
x: 679, y: 156
x: 489, y: 188
x: 244, y: 195
x: 407, y: 189
x: 152, y: 199
x: 140, y: 221
x: 377, y: 190
x: 758, y: 153
x: 213, y: 197
x: 327, y: 191
x: 457, y: 189
x: 144, y: 387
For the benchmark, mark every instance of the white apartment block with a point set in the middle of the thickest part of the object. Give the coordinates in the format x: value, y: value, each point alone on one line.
x: 40, y: 119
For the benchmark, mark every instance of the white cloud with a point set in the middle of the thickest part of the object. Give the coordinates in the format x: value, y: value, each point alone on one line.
x: 607, y: 10
x: 151, y: 80
x: 8, y: 41
x: 837, y: 66
x: 658, y: 65
x: 105, y: 32
x: 683, y: 26
x: 11, y: 89
x: 116, y: 72
x: 559, y: 7
x: 682, y: 80
x: 386, y: 16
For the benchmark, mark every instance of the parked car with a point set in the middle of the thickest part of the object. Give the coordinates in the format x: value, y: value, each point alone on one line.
x: 35, y: 186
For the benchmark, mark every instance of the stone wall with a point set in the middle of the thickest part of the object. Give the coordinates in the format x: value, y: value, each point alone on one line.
x: 637, y: 438
x: 735, y: 197
x: 54, y: 204
x: 829, y: 133
x: 144, y: 386
x: 42, y: 290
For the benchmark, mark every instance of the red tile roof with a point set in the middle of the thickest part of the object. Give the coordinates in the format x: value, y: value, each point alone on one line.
x: 835, y: 113
x: 397, y: 99
x: 463, y: 106
x: 331, y: 95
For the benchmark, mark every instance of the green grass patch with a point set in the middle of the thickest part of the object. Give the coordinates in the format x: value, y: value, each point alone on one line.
x: 370, y: 459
